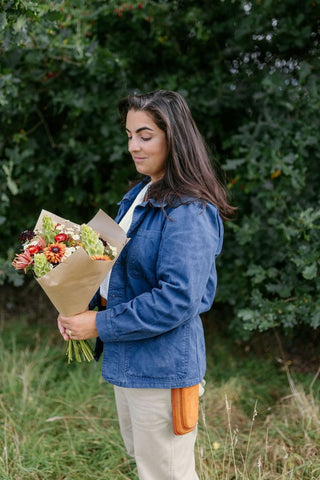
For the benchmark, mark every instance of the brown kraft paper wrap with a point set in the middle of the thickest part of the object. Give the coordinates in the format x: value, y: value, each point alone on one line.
x: 71, y: 285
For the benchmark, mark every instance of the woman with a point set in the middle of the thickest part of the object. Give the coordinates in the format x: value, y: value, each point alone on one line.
x: 165, y: 277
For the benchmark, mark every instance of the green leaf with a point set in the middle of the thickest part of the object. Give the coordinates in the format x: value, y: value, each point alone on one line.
x: 310, y: 271
x: 20, y: 23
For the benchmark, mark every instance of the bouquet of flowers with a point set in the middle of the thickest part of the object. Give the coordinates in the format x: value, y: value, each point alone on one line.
x: 69, y: 261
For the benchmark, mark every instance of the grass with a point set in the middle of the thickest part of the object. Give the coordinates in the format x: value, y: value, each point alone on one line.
x: 57, y: 421
x: 284, y: 446
x: 258, y: 420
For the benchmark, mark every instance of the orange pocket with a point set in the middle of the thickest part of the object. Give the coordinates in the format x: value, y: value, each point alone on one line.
x: 185, y: 409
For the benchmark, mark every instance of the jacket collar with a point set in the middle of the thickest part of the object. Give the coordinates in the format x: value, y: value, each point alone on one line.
x: 131, y: 195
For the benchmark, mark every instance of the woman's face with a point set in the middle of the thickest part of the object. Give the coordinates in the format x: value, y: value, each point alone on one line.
x: 147, y: 144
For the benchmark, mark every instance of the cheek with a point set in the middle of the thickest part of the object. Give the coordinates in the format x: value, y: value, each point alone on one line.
x: 161, y: 151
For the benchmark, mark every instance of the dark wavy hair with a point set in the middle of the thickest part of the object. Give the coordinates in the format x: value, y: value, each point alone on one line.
x: 189, y: 174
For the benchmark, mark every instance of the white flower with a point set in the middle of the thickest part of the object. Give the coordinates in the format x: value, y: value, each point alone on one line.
x: 30, y: 243
x: 69, y: 251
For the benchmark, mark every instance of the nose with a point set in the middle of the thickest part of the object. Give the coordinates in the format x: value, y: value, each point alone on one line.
x: 134, y: 145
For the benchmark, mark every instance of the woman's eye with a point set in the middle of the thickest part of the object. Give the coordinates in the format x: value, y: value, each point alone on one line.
x: 144, y: 139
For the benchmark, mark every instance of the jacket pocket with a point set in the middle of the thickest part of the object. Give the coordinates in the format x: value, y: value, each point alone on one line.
x: 142, y: 253
x: 162, y: 357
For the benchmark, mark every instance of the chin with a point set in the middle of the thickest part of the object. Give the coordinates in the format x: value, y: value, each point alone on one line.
x: 142, y: 171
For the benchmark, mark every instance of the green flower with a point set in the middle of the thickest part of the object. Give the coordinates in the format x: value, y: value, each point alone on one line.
x: 41, y: 265
x: 48, y: 229
x: 90, y: 241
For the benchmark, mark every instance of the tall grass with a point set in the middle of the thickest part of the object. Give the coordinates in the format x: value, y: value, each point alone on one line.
x: 58, y: 421
x: 284, y: 445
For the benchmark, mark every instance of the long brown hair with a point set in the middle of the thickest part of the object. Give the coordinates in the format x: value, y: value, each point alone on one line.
x: 189, y: 172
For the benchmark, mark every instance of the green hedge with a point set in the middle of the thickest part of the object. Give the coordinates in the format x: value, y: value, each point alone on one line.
x: 248, y: 70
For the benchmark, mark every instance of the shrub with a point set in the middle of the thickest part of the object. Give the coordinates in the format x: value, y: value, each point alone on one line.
x: 248, y: 71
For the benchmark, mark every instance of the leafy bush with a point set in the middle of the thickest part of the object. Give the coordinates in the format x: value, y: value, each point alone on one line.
x: 276, y: 238
x: 248, y: 71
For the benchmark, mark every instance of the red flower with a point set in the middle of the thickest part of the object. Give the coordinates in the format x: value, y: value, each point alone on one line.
x: 37, y: 247
x: 33, y: 249
x: 61, y: 237
x: 22, y: 261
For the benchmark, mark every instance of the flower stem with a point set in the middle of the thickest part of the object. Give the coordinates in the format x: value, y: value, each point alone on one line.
x: 80, y: 350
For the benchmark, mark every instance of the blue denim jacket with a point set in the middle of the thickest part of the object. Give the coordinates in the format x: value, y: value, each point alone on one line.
x: 164, y: 278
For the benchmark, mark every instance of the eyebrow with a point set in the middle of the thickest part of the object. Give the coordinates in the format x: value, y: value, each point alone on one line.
x: 139, y: 129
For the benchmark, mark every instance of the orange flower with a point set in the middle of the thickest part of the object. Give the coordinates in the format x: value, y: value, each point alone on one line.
x: 75, y: 243
x: 22, y: 261
x: 101, y: 257
x: 55, y: 252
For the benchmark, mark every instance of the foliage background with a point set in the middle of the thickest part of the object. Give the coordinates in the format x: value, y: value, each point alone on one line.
x: 248, y: 70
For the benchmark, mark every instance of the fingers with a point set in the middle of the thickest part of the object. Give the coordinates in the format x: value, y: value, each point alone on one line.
x: 63, y: 330
x: 78, y: 327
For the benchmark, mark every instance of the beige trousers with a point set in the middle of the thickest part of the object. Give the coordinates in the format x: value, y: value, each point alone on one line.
x: 145, y: 418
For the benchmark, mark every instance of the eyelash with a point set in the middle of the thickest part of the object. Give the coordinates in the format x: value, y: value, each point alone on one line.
x: 142, y: 138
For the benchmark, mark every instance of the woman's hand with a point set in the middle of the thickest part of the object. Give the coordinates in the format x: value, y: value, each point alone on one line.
x: 78, y: 327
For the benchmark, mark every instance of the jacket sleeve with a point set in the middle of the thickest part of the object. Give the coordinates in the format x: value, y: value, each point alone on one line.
x: 191, y: 240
